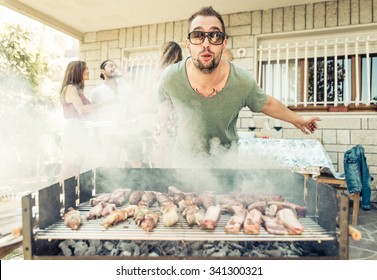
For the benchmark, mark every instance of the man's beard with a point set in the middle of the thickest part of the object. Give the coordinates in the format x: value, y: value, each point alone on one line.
x: 206, y: 69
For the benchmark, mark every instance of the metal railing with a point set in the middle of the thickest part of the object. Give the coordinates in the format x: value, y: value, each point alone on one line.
x: 320, y: 71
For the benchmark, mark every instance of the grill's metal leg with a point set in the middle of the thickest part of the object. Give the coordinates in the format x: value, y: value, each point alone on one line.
x: 27, y: 226
x: 343, y: 226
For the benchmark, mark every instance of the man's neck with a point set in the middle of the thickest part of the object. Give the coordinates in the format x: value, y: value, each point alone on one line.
x: 207, y: 82
x: 111, y: 82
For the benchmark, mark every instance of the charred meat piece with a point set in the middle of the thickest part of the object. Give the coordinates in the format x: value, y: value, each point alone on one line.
x: 211, y: 217
x: 233, y: 209
x: 72, y: 219
x: 187, y: 201
x: 273, y: 226
x: 252, y: 222
x: 130, y: 210
x: 104, y: 197
x: 139, y: 214
x: 163, y: 198
x: 135, y: 197
x: 169, y: 214
x: 299, y: 210
x: 178, y: 197
x: 96, y: 211
x: 259, y: 205
x: 207, y: 199
x: 114, y: 218
x: 110, y: 207
x: 148, y: 199
x: 289, y: 220
x: 192, y: 198
x: 192, y: 215
x: 150, y: 221
x: 182, y: 199
x: 235, y: 222
x: 119, y: 196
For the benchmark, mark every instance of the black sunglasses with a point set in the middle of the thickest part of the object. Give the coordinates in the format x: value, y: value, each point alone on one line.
x: 214, y: 37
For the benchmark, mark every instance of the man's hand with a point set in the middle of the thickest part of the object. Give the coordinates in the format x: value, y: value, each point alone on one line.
x: 307, y: 124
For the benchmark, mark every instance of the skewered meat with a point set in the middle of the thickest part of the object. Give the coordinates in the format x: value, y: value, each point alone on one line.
x: 115, y: 217
x: 208, y: 199
x: 72, y: 218
x: 135, y: 197
x: 273, y: 226
x: 96, y: 211
x: 193, y: 215
x: 192, y: 198
x: 183, y: 199
x: 140, y: 214
x: 146, y: 218
x: 110, y: 207
x: 252, y: 222
x: 150, y: 221
x: 169, y: 214
x: 235, y: 222
x: 178, y: 197
x: 130, y: 210
x: 298, y: 209
x: 148, y: 199
x: 211, y: 217
x: 189, y: 200
x: 104, y: 197
x: 163, y: 198
x: 119, y: 196
x: 288, y: 218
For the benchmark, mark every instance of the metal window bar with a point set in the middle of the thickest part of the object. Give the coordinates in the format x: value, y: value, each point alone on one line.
x: 368, y: 72
x: 140, y: 70
x: 272, y: 68
x: 347, y: 91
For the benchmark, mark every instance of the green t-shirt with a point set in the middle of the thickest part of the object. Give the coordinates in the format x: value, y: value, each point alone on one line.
x: 205, y: 121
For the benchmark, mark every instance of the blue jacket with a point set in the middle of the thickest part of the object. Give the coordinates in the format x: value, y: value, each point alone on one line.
x: 357, y: 174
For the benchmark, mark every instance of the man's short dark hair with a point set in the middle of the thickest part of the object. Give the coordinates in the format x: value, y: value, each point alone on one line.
x: 207, y: 11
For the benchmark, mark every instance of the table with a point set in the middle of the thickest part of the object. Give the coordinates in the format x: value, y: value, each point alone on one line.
x: 305, y: 156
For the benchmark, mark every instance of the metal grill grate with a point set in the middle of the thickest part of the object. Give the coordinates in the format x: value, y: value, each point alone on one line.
x: 128, y: 230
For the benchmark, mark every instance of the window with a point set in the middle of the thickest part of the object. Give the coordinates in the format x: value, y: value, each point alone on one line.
x: 139, y: 67
x: 320, y: 71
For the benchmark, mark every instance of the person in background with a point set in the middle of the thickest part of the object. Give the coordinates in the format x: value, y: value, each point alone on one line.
x: 170, y: 53
x: 208, y: 93
x: 76, y: 109
x: 116, y: 129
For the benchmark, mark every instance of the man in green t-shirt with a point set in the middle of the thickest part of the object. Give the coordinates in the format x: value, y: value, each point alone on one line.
x: 208, y: 93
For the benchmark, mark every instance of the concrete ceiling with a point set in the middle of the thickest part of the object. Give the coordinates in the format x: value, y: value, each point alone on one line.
x: 76, y: 17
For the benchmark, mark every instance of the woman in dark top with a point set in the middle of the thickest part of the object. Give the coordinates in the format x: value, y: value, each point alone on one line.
x: 76, y: 108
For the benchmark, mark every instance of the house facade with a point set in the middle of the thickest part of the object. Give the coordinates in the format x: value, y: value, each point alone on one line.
x: 279, y: 47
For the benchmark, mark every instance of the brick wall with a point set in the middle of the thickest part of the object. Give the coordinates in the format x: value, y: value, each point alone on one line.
x: 337, y: 132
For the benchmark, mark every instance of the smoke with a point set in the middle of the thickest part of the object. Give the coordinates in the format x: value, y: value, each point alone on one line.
x: 27, y: 130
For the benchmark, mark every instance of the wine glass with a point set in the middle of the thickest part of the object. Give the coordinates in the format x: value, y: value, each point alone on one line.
x: 277, y: 125
x: 252, y: 126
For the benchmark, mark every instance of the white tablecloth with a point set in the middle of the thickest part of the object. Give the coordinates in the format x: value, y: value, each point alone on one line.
x: 304, y: 156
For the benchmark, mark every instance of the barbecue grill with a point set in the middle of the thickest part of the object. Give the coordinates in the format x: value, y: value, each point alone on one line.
x: 326, y: 223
